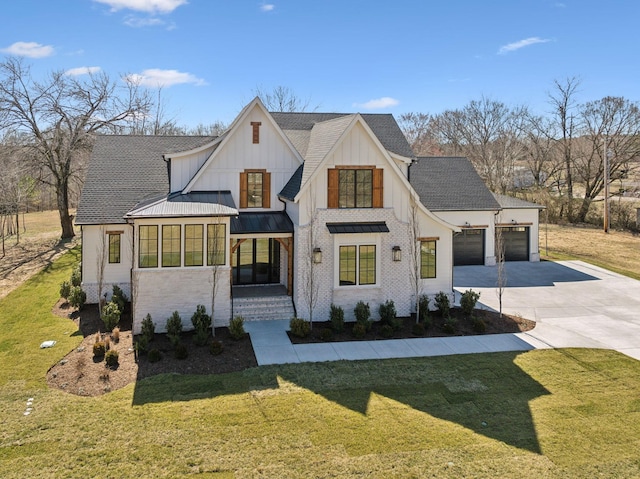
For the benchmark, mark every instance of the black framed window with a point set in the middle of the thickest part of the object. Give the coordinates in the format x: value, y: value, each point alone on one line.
x: 357, y: 265
x: 427, y: 259
x: 355, y: 188
x: 193, y: 245
x: 216, y: 244
x: 148, y: 246
x: 254, y: 190
x: 170, y: 246
x: 114, y: 247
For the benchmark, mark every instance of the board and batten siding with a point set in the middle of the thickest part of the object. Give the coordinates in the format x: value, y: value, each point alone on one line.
x: 239, y: 153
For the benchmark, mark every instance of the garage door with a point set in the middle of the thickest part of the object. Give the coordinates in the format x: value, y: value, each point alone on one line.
x: 468, y: 247
x: 516, y: 243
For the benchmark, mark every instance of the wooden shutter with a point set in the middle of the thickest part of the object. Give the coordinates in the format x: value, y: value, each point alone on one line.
x: 266, y: 190
x: 332, y: 190
x: 244, y: 183
x: 377, y: 188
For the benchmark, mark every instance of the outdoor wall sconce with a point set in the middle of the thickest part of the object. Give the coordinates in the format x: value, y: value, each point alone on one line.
x: 466, y: 224
x: 317, y: 255
x: 514, y: 222
x: 397, y: 253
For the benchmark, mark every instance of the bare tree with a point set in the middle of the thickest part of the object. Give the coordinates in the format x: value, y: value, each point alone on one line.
x: 282, y: 98
x: 59, y: 115
x: 309, y: 272
x: 214, y: 262
x: 565, y: 118
x: 414, y: 254
x: 418, y: 128
x: 101, y: 261
x: 501, y: 281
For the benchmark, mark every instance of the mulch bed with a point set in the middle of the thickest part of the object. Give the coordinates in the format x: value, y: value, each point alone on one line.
x: 464, y: 327
x: 78, y: 373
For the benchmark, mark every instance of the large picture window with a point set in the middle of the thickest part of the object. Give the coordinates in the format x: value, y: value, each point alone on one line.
x: 114, y: 247
x: 355, y: 188
x: 148, y: 247
x: 428, y: 259
x: 170, y: 246
x: 216, y: 244
x: 193, y: 245
x: 357, y: 265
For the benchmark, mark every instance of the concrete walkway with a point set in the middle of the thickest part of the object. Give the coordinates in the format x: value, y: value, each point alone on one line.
x: 573, y: 303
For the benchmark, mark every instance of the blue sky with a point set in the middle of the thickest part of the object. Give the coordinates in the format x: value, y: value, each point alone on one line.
x: 343, y: 55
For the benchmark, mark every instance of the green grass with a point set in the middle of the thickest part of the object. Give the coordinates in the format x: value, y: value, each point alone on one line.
x: 544, y: 414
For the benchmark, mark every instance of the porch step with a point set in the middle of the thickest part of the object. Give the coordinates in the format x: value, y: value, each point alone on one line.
x: 263, y: 308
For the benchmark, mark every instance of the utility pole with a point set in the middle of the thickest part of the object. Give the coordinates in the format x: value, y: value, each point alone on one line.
x: 605, y: 159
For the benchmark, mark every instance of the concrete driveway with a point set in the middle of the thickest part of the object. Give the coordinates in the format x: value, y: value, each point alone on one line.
x: 575, y: 304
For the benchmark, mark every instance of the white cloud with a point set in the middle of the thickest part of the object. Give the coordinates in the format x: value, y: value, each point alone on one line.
x: 82, y: 71
x: 138, y: 22
x: 378, y: 104
x: 29, y: 49
x: 149, y: 6
x: 521, y: 44
x: 267, y: 7
x: 156, y: 78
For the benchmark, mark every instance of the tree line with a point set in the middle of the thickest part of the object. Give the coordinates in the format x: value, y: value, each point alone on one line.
x: 558, y: 159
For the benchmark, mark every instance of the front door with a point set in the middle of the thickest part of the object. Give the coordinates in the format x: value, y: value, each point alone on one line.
x: 256, y: 261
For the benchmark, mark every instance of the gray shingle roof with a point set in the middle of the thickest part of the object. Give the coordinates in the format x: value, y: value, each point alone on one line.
x: 384, y: 126
x: 450, y: 184
x: 124, y: 170
x: 510, y: 202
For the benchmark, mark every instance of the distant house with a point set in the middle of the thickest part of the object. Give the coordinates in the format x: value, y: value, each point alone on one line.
x: 279, y: 205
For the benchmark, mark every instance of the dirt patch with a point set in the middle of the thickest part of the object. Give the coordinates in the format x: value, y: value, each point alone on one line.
x: 31, y: 255
x: 493, y: 324
x: 78, y: 372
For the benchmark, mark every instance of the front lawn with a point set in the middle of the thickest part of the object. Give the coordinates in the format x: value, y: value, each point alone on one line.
x: 544, y: 414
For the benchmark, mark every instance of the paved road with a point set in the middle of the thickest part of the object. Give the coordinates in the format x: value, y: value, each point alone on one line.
x: 574, y: 304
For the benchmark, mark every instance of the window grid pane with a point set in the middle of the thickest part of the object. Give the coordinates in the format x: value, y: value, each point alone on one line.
x: 114, y: 248
x: 193, y: 245
x: 427, y: 259
x: 364, y: 188
x: 170, y: 246
x: 347, y: 265
x: 346, y: 188
x: 148, y: 247
x: 368, y: 264
x: 216, y: 244
x: 254, y: 190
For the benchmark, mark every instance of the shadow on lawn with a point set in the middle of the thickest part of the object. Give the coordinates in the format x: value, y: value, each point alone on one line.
x: 488, y: 393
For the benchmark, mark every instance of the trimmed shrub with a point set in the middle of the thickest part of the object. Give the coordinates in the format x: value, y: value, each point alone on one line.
x: 77, y: 297
x: 154, y: 356
x: 202, y: 323
x: 174, y: 328
x: 443, y: 304
x: 326, y: 334
x: 362, y: 312
x: 76, y: 276
x: 119, y: 297
x: 236, y: 328
x: 110, y: 315
x: 359, y: 330
x: 299, y: 327
x: 418, y: 329
x: 99, y: 349
x: 386, y: 331
x: 387, y: 312
x: 141, y: 344
x: 65, y: 289
x: 479, y: 326
x: 181, y: 351
x: 424, y: 310
x: 449, y: 325
x: 148, y: 328
x: 468, y: 301
x: 215, y: 348
x: 337, y: 318
x: 111, y: 358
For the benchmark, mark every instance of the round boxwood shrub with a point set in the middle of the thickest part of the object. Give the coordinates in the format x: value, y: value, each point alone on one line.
x: 468, y: 301
x: 111, y: 315
x: 216, y: 347
x: 449, y: 326
x: 359, y: 330
x: 111, y: 358
x: 236, y: 328
x: 181, y: 351
x: 479, y: 326
x: 77, y: 297
x: 386, y: 331
x: 154, y: 356
x: 326, y: 334
x: 337, y: 318
x: 299, y: 327
x: 418, y: 329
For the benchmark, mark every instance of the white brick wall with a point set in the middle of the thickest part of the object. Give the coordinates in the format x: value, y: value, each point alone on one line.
x: 92, y: 290
x: 394, y: 278
x: 163, y: 291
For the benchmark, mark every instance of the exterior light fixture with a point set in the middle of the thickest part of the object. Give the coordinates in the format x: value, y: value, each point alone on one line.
x: 397, y: 253
x: 317, y: 255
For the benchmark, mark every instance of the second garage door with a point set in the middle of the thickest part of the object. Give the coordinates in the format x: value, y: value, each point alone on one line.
x: 516, y: 243
x: 468, y: 247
